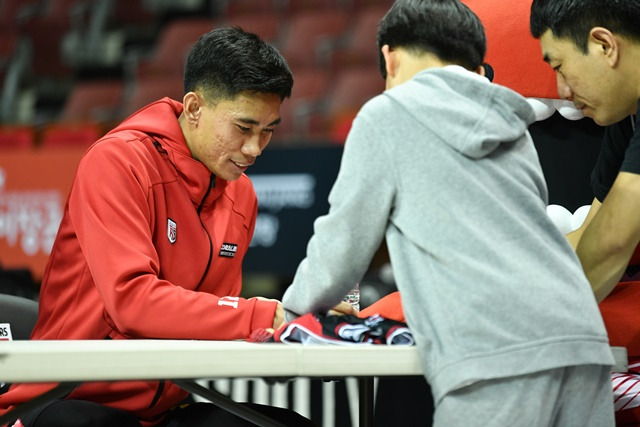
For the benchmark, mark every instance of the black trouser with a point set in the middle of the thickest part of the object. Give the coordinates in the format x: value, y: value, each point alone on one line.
x: 207, y: 414
x: 81, y: 413
x: 78, y: 413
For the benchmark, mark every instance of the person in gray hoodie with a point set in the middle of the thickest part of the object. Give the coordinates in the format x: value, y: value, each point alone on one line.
x: 441, y: 165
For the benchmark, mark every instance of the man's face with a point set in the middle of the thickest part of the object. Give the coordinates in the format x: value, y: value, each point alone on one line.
x: 588, y: 80
x: 231, y: 134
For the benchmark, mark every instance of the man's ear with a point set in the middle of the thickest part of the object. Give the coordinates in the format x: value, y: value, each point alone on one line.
x: 607, y: 43
x: 486, y: 70
x: 390, y: 60
x: 192, y: 107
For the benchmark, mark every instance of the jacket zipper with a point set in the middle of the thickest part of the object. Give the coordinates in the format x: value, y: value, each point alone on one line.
x: 158, y: 394
x: 158, y: 391
x: 212, y: 184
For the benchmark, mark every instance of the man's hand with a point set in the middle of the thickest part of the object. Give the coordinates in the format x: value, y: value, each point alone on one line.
x: 278, y: 317
x: 343, y: 308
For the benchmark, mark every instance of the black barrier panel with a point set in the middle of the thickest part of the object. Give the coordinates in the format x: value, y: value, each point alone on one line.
x: 292, y: 186
x: 568, y: 152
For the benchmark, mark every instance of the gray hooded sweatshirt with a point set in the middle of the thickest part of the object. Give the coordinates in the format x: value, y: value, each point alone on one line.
x: 443, y: 167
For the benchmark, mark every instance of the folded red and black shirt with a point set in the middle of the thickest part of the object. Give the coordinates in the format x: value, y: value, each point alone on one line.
x: 339, y: 330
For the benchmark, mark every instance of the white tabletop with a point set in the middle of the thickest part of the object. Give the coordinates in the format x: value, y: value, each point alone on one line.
x: 185, y: 360
x: 95, y: 360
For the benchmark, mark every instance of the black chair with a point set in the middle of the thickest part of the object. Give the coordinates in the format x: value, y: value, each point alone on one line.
x: 20, y: 313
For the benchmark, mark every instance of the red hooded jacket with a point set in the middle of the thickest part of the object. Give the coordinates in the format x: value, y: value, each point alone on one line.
x: 150, y: 246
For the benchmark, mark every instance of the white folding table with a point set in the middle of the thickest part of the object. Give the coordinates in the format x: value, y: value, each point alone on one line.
x: 183, y: 362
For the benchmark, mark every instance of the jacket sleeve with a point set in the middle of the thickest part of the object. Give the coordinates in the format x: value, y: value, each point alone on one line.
x: 112, y: 217
x: 345, y: 240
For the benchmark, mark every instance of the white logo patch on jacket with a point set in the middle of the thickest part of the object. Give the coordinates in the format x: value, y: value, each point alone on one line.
x: 228, y: 250
x: 172, y: 230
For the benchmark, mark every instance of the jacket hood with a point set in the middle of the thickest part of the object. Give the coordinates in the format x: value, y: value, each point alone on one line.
x: 488, y: 114
x: 153, y: 120
x: 159, y: 120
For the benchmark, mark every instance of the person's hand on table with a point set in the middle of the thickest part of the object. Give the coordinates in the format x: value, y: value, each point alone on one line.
x: 278, y: 317
x: 343, y: 308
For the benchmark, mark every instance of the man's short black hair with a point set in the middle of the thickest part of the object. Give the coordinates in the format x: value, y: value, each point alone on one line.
x: 446, y: 28
x: 227, y: 61
x: 574, y: 19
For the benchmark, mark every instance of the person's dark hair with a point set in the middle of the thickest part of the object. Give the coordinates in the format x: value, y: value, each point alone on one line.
x: 574, y: 19
x: 227, y: 61
x: 446, y: 28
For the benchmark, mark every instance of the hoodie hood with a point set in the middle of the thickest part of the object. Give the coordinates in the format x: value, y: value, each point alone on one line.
x: 159, y: 121
x: 155, y: 120
x: 488, y: 114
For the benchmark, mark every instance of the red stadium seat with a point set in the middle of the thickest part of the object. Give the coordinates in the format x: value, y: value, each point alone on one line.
x: 267, y: 25
x: 46, y: 32
x: 96, y: 100
x: 310, y: 33
x: 8, y: 41
x: 236, y: 8
x: 152, y: 89
x: 132, y: 13
x: 17, y: 137
x: 362, y: 4
x: 172, y: 47
x: 14, y: 13
x: 297, y: 6
x: 353, y: 88
x: 299, y: 113
x: 360, y: 46
x: 68, y: 135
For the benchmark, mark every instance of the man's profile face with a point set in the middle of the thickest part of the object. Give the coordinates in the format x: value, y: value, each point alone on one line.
x: 232, y: 133
x: 587, y: 80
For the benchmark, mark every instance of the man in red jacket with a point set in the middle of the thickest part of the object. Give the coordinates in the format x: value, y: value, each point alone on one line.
x: 158, y: 220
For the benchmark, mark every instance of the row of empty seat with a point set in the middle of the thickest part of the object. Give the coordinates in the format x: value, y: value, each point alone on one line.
x: 327, y: 38
x: 54, y: 135
x: 329, y: 44
x: 320, y: 110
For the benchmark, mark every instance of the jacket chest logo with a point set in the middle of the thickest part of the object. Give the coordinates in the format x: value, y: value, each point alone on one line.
x: 172, y: 230
x: 228, y: 250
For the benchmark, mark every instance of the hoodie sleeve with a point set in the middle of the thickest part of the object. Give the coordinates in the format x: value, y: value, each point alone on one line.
x: 113, y: 222
x: 345, y: 240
